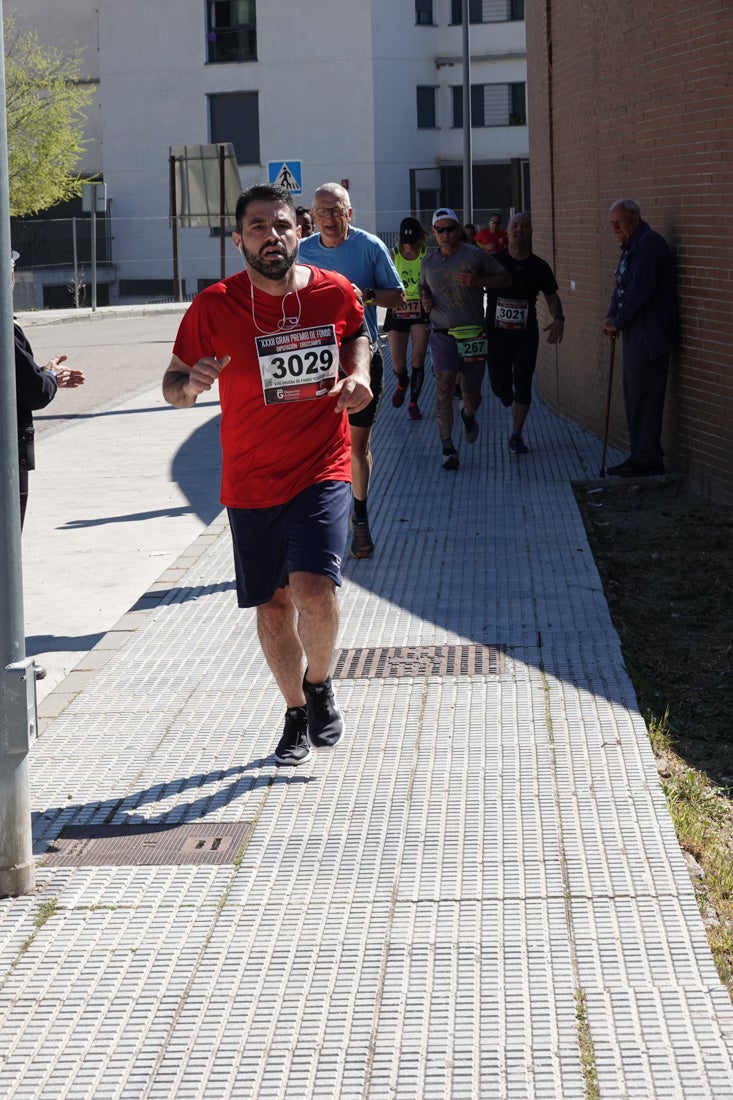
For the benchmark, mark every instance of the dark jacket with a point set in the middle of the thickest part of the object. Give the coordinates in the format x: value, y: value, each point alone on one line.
x: 35, y: 388
x: 643, y: 304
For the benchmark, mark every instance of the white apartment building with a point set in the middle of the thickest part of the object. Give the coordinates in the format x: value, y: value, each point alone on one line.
x: 369, y: 93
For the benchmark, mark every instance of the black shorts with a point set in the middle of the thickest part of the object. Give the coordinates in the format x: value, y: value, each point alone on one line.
x: 512, y: 358
x: 400, y: 324
x: 307, y: 534
x: 367, y: 416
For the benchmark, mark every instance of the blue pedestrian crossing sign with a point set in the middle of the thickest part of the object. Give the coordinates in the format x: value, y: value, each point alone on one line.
x: 286, y: 173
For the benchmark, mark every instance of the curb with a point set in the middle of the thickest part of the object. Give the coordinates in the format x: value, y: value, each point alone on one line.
x: 31, y: 318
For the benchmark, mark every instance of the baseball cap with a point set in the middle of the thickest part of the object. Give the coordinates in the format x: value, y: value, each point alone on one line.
x: 13, y: 257
x: 445, y: 212
x: 410, y: 231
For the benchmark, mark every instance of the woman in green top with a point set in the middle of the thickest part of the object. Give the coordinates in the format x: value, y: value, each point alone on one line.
x: 409, y: 323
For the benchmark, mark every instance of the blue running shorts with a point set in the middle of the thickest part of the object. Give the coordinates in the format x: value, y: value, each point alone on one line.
x: 307, y: 534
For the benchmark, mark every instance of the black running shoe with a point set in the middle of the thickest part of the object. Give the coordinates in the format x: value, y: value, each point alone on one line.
x: 450, y: 458
x: 325, y: 724
x: 470, y: 427
x: 362, y: 543
x: 293, y: 747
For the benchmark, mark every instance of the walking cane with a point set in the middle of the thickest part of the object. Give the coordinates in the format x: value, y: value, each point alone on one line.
x: 608, y: 406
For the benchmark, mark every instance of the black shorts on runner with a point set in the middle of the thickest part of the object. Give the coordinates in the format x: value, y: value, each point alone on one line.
x: 512, y: 357
x: 367, y: 416
x: 400, y: 324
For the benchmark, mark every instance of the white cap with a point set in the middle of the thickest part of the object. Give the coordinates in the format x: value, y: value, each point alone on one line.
x: 13, y: 257
x: 445, y: 212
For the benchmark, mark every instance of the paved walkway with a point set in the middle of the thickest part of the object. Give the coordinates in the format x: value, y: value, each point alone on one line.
x: 477, y: 894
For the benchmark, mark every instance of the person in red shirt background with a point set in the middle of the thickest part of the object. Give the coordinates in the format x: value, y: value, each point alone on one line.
x: 492, y: 237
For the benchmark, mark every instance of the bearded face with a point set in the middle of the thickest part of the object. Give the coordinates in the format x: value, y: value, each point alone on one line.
x: 268, y: 239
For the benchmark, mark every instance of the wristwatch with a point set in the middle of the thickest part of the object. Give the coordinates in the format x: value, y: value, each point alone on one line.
x: 369, y: 296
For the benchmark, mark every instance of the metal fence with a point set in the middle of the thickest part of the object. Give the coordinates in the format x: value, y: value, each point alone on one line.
x: 132, y: 261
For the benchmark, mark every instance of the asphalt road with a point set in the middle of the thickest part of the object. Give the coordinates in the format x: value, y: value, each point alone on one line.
x: 120, y: 354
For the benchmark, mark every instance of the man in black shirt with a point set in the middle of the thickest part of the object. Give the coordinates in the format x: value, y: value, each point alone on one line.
x: 35, y: 387
x: 511, y: 324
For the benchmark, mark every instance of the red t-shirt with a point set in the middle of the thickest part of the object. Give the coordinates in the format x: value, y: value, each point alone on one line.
x: 270, y: 453
x: 492, y: 242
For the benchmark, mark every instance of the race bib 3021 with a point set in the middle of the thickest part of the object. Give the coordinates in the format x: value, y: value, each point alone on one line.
x: 511, y: 314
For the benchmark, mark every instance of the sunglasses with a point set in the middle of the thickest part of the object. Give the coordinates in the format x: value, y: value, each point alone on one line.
x: 446, y: 228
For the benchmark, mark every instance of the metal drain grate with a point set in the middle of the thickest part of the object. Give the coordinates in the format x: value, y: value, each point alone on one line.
x: 415, y: 661
x: 146, y: 845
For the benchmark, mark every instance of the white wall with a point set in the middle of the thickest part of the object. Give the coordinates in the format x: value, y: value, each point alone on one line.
x: 336, y: 84
x: 64, y: 26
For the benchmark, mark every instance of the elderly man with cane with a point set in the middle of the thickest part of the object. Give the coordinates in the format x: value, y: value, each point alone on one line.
x: 643, y: 309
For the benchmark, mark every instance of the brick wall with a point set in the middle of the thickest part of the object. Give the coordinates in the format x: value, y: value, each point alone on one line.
x: 636, y: 99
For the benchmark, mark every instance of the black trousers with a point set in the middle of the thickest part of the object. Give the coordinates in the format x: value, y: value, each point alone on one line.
x: 23, y: 495
x: 645, y: 382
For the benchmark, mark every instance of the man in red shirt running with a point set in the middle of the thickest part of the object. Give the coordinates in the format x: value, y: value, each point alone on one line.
x: 288, y: 348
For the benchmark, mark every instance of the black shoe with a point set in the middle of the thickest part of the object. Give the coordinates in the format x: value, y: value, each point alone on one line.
x: 616, y: 471
x: 641, y: 469
x: 470, y: 427
x: 325, y: 724
x: 362, y: 543
x: 517, y: 446
x: 293, y: 747
x: 450, y: 459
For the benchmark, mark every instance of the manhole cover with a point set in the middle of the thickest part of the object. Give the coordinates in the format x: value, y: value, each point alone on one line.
x: 411, y: 661
x: 145, y: 845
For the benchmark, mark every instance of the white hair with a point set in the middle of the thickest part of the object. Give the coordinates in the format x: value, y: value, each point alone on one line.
x: 630, y: 205
x: 334, y: 189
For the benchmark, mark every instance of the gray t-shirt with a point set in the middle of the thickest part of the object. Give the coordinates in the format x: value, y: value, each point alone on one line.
x: 454, y: 304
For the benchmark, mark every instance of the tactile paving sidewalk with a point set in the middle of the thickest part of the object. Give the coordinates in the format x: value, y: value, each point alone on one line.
x: 477, y: 894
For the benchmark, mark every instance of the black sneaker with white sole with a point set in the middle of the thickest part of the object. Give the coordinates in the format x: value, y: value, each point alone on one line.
x: 450, y: 457
x: 293, y: 747
x: 325, y: 724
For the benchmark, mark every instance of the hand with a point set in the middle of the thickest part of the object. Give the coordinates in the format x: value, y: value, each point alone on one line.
x: 204, y: 373
x: 468, y: 278
x: 353, y: 394
x: 65, y: 377
x: 608, y: 327
x: 555, y: 331
x: 68, y: 378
